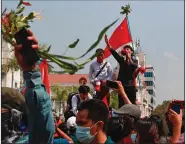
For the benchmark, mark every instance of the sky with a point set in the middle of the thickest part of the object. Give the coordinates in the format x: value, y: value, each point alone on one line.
x: 158, y: 24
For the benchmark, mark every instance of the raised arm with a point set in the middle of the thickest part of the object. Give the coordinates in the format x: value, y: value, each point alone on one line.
x: 41, y: 122
x: 113, y: 52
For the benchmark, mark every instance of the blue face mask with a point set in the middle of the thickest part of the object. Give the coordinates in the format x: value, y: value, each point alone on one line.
x: 83, y: 134
x: 133, y: 137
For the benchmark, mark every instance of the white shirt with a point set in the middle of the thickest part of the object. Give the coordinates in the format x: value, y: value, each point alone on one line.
x: 75, y: 102
x: 106, y: 73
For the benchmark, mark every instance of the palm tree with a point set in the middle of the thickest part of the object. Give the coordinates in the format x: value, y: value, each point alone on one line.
x: 114, y: 100
x: 11, y: 65
x: 61, y: 95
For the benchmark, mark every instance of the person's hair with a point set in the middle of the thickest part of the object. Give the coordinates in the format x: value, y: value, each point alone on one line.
x: 128, y: 46
x: 84, y: 89
x: 97, y: 111
x: 119, y: 127
x: 83, y: 79
x: 63, y: 127
x: 99, y: 50
x: 147, y: 131
x: 159, y: 122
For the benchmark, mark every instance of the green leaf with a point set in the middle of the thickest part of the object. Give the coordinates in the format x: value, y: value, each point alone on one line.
x: 30, y: 16
x: 11, y: 17
x: 20, y: 25
x: 19, y: 4
x: 64, y: 57
x: 88, y: 60
x: 92, y: 47
x: 48, y: 49
x: 63, y: 72
x: 102, y: 33
x: 13, y: 27
x: 20, y: 10
x: 18, y: 18
x: 62, y: 64
x: 73, y: 45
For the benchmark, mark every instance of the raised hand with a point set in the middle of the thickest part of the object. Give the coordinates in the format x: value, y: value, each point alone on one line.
x: 107, y: 42
x: 18, y: 55
x: 175, y: 119
x: 120, y: 88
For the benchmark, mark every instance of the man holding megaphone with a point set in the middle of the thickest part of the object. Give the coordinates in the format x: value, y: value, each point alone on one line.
x: 128, y: 71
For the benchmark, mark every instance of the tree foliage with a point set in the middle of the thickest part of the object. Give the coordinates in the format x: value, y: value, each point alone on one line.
x: 160, y: 110
x: 11, y: 64
x: 114, y: 100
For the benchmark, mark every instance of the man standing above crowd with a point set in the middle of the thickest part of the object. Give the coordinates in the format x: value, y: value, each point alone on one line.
x: 99, y: 72
x: 128, y: 71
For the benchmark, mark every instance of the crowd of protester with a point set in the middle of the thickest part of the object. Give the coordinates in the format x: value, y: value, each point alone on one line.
x: 87, y: 120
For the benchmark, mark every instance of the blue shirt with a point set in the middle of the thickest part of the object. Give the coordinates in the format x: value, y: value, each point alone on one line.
x: 40, y: 118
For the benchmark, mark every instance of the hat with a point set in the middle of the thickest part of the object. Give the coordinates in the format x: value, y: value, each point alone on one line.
x: 129, y: 109
x: 71, y: 122
x: 12, y: 99
x: 128, y: 46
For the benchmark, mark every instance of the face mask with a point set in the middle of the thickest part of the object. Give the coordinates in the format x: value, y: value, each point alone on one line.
x: 83, y: 134
x: 133, y: 137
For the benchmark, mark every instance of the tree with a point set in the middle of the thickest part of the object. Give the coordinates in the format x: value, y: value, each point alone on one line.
x: 11, y: 65
x: 61, y: 95
x: 114, y: 100
x: 160, y: 110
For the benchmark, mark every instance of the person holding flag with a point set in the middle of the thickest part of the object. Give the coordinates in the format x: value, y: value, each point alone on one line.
x: 128, y: 71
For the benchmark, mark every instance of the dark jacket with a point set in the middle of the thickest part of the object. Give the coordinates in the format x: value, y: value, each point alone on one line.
x: 126, y: 70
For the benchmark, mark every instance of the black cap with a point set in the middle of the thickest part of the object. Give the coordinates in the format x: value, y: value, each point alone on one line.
x: 129, y: 109
x: 128, y: 46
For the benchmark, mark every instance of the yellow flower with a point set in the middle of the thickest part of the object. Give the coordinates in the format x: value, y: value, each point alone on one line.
x: 37, y: 16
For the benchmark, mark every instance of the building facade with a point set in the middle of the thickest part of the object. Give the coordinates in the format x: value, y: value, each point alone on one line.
x: 150, y: 84
x: 146, y: 84
x: 11, y: 78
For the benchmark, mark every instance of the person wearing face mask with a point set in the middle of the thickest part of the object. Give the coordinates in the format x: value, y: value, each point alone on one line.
x: 100, y: 71
x: 91, y: 120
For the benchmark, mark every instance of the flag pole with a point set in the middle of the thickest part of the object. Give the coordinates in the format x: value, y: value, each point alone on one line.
x: 127, y: 10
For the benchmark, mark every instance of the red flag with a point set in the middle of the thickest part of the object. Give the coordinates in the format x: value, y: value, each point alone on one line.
x: 44, y: 74
x: 120, y: 36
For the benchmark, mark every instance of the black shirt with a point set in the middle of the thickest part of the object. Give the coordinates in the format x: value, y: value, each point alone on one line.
x: 126, y: 70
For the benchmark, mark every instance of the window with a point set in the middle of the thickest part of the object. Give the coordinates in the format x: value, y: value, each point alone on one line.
x: 150, y: 92
x: 151, y: 101
x: 154, y: 103
x: 148, y: 74
x: 149, y: 83
x: 15, y: 85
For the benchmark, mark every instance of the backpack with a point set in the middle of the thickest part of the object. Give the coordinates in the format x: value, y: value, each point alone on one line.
x: 68, y: 113
x: 69, y: 100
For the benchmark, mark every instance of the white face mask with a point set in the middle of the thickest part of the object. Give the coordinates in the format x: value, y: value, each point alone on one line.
x: 83, y: 134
